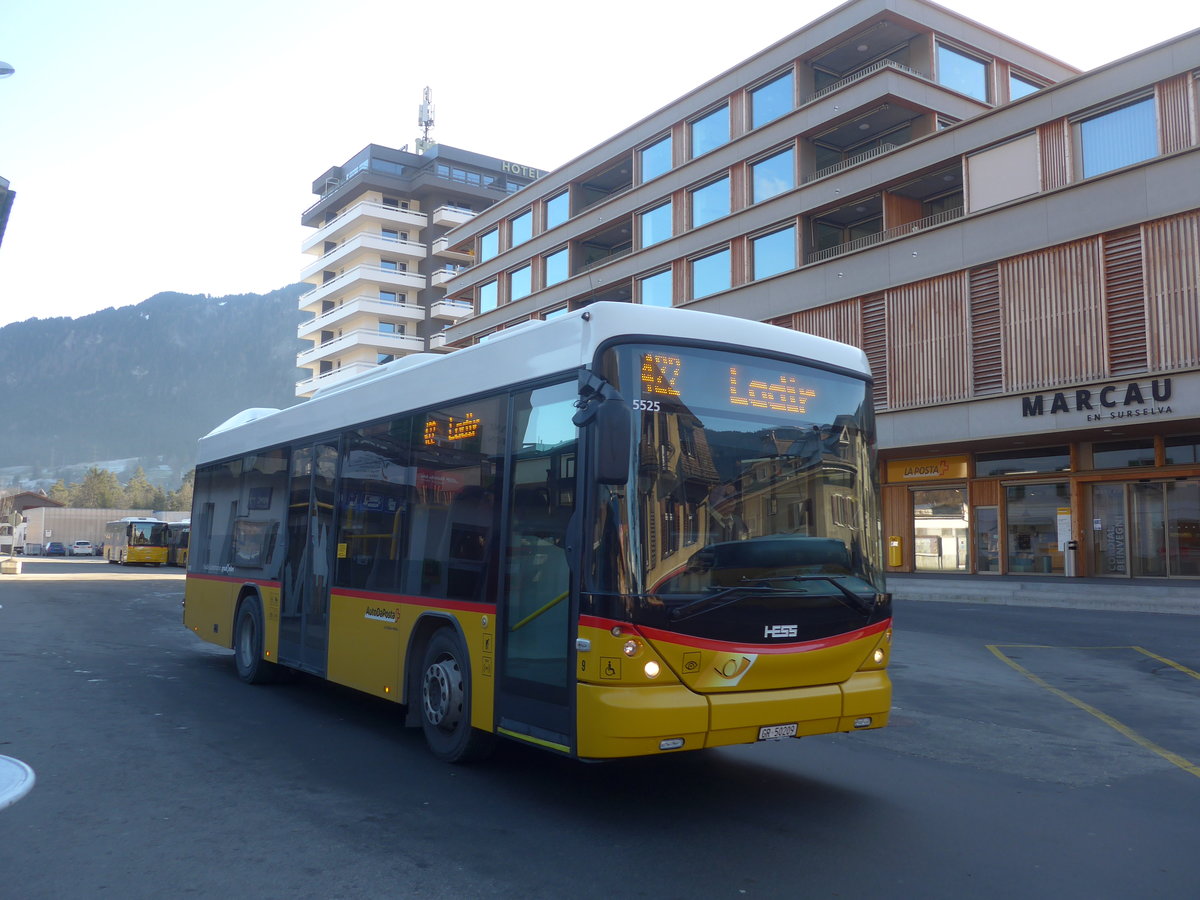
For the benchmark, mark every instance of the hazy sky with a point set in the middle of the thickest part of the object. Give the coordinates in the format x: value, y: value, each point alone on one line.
x: 160, y: 145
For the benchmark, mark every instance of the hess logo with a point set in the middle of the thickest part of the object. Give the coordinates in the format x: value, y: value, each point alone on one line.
x: 779, y: 631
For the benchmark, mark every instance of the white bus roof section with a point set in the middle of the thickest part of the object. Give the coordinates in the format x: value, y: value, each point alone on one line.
x: 561, y: 345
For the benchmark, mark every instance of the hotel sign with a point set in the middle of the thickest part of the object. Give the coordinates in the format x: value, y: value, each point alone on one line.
x: 933, y: 468
x: 1109, y: 403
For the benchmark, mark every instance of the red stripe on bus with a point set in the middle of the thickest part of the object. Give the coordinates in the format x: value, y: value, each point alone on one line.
x: 707, y: 644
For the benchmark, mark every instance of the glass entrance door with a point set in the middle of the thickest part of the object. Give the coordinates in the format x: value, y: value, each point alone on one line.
x: 1110, y: 542
x: 536, y: 622
x: 1146, y: 529
x: 304, y: 607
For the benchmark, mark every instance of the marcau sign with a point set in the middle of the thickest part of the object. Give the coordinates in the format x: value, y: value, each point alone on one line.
x: 1131, y: 399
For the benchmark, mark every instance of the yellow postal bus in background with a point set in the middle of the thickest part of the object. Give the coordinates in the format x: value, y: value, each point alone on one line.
x: 625, y: 531
x: 136, y: 540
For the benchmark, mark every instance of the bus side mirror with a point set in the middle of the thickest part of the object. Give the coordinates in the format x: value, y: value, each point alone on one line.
x: 613, y: 426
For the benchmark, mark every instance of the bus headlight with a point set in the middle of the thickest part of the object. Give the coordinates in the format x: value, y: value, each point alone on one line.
x: 651, y: 669
x: 877, y: 656
x: 631, y: 648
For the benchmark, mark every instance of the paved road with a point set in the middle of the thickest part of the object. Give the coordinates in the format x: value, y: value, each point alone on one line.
x: 1033, y: 753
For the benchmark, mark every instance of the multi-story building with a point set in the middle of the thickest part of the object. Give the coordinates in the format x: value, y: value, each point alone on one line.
x: 380, y: 255
x: 1015, y: 244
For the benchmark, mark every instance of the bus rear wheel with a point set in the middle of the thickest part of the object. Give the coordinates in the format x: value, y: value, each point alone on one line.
x: 446, y: 701
x: 248, y: 646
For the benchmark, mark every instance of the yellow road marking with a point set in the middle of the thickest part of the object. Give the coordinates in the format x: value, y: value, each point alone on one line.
x: 1173, y: 758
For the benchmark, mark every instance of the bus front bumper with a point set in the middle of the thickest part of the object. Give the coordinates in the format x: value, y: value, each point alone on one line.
x: 616, y: 721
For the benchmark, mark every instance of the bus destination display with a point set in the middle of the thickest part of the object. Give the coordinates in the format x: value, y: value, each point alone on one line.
x: 665, y: 377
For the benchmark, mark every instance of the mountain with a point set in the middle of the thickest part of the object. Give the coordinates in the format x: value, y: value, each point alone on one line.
x: 143, y: 381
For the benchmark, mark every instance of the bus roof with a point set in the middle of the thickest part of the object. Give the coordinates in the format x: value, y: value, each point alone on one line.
x: 512, y: 356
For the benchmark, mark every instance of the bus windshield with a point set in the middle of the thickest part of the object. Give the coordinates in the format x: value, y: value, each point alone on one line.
x: 751, y: 496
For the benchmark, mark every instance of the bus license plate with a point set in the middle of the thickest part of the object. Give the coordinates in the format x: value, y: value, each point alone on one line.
x: 776, y: 732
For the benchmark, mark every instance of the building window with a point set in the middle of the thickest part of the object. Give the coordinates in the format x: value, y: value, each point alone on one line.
x: 381, y: 358
x: 710, y: 202
x: 520, y: 283
x: 1182, y: 450
x: 655, y: 290
x: 710, y: 274
x: 1119, y: 454
x: 656, y: 224
x: 558, y: 209
x: 1032, y: 513
x: 555, y: 313
x: 390, y: 234
x: 487, y: 296
x: 1046, y: 459
x: 710, y: 131
x: 390, y: 265
x: 389, y: 296
x: 655, y: 160
x: 771, y: 100
x: 556, y: 266
x: 489, y: 244
x: 774, y: 253
x: 773, y: 175
x: 940, y: 530
x: 521, y: 228
x: 1120, y: 137
x: 962, y: 73
x: 1019, y: 87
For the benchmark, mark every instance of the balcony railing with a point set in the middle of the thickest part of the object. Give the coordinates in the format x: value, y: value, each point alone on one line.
x: 441, y: 247
x: 887, y: 234
x: 862, y: 73
x: 377, y: 242
x: 366, y: 208
x: 363, y: 273
x: 451, y: 309
x: 361, y: 337
x: 362, y: 305
x: 451, y: 215
x: 853, y: 161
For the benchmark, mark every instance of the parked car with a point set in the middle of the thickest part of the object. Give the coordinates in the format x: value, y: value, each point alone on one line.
x: 55, y: 548
x: 81, y: 548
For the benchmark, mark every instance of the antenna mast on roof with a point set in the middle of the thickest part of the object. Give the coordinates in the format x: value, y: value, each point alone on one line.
x: 425, y: 120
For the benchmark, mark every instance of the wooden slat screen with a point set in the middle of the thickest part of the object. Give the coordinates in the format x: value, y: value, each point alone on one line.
x: 1124, y: 301
x: 836, y: 321
x: 874, y: 344
x: 897, y: 518
x: 1175, y: 127
x: 985, y: 492
x: 927, y: 345
x: 1053, y: 140
x: 1172, y: 261
x: 987, y: 358
x: 1052, y: 317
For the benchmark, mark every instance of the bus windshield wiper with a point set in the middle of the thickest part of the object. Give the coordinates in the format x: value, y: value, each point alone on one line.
x: 719, y: 599
x: 858, y: 602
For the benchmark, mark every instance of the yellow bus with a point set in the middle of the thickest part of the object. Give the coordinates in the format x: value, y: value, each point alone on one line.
x: 177, y: 542
x: 136, y: 540
x: 625, y: 531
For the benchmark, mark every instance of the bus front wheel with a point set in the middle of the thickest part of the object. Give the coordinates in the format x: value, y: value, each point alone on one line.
x: 248, y: 646
x: 446, y: 701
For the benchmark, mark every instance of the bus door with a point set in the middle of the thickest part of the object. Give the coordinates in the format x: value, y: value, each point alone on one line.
x: 304, y: 606
x: 535, y: 697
